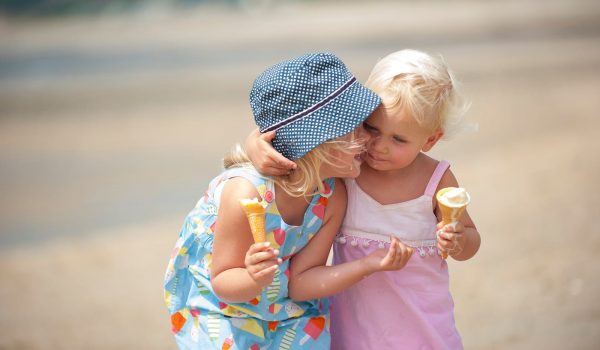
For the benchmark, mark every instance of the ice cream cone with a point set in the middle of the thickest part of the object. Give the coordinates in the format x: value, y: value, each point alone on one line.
x: 255, y: 212
x: 451, y: 207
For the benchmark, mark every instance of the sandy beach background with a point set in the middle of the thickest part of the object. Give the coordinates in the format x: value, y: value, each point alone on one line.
x: 112, y: 125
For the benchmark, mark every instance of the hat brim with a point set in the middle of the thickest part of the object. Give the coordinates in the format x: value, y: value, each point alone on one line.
x: 338, y: 118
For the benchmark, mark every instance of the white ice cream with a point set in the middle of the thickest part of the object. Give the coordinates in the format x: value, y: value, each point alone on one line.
x: 456, y: 197
x: 252, y: 203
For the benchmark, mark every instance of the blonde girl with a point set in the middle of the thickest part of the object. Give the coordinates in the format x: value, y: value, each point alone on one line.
x: 394, y: 198
x: 222, y: 290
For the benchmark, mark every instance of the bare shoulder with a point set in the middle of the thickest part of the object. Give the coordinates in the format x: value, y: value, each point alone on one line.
x: 340, y: 194
x: 337, y: 201
x: 340, y: 187
x: 237, y: 188
x: 427, y: 163
x: 448, y: 180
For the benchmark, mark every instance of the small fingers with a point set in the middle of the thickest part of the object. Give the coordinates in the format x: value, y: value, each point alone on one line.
x: 451, y: 227
x: 449, y: 243
x: 405, y: 252
x: 263, y: 256
x: 445, y: 236
x: 262, y: 261
x: 455, y: 226
x: 391, y: 253
x: 259, y: 247
x: 262, y: 273
x: 256, y: 268
x: 408, y: 252
x: 394, y: 246
x: 268, y: 136
x: 259, y: 252
x: 275, y: 170
x: 400, y: 258
x: 274, y: 156
x: 443, y: 241
x: 282, y: 161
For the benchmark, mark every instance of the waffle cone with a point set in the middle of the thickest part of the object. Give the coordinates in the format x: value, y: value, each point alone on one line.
x: 450, y: 214
x: 257, y: 226
x: 255, y: 212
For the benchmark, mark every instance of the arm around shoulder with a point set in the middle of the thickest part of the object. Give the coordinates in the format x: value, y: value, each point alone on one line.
x: 316, y: 252
x: 310, y: 278
x: 264, y: 157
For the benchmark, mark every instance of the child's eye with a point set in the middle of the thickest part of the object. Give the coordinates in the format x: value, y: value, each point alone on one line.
x: 399, y: 139
x: 368, y: 127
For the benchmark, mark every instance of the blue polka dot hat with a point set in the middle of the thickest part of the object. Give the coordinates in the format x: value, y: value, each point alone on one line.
x: 309, y: 100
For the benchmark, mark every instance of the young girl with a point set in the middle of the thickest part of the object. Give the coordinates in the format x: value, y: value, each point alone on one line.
x: 394, y: 196
x: 223, y: 291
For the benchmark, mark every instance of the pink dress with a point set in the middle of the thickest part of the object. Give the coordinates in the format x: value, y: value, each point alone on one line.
x: 406, y: 309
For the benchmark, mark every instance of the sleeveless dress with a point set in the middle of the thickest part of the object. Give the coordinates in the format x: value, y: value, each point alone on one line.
x: 271, y: 320
x: 410, y: 308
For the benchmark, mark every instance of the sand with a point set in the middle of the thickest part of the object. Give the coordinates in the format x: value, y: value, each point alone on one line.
x: 110, y: 128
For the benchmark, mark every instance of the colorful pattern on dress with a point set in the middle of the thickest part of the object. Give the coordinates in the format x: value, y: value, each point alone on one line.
x: 271, y: 320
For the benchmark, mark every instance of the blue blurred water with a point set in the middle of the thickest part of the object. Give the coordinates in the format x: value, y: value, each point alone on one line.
x: 132, y: 189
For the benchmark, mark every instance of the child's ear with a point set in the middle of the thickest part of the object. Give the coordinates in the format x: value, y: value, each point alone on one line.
x: 432, y: 140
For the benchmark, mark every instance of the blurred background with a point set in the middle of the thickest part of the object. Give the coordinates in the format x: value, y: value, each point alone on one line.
x: 114, y: 115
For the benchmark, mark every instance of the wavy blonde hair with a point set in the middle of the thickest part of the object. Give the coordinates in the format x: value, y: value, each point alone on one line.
x: 421, y: 85
x: 308, y: 166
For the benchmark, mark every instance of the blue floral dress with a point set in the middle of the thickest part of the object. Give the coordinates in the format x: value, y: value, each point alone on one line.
x: 271, y: 320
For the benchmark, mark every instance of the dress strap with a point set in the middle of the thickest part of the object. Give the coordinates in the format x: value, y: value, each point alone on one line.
x: 436, y: 177
x: 263, y: 184
x: 329, y: 186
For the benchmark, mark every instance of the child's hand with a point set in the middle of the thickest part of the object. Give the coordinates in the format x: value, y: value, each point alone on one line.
x: 264, y: 157
x: 450, y: 238
x: 393, y: 258
x: 261, y: 262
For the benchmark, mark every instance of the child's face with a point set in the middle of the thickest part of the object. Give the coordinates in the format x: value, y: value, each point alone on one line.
x: 396, y: 139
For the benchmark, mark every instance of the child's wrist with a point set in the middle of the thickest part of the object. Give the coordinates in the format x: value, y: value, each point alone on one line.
x: 366, y: 268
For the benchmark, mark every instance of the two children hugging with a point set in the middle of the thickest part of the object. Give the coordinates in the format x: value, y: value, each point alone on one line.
x: 223, y: 290
x: 394, y: 196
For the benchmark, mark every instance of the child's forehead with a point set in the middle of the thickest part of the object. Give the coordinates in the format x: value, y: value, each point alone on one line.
x: 392, y: 113
x: 393, y: 120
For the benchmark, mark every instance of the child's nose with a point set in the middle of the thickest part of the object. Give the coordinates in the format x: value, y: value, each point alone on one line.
x: 377, y: 144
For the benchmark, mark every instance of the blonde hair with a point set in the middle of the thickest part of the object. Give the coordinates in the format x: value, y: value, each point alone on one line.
x: 307, y: 175
x: 421, y: 85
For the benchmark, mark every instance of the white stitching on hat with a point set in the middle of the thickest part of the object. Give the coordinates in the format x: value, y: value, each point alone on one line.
x: 324, y: 102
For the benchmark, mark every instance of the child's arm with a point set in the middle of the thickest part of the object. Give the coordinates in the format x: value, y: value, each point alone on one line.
x: 463, y: 240
x: 240, y: 269
x: 264, y: 157
x: 310, y: 278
